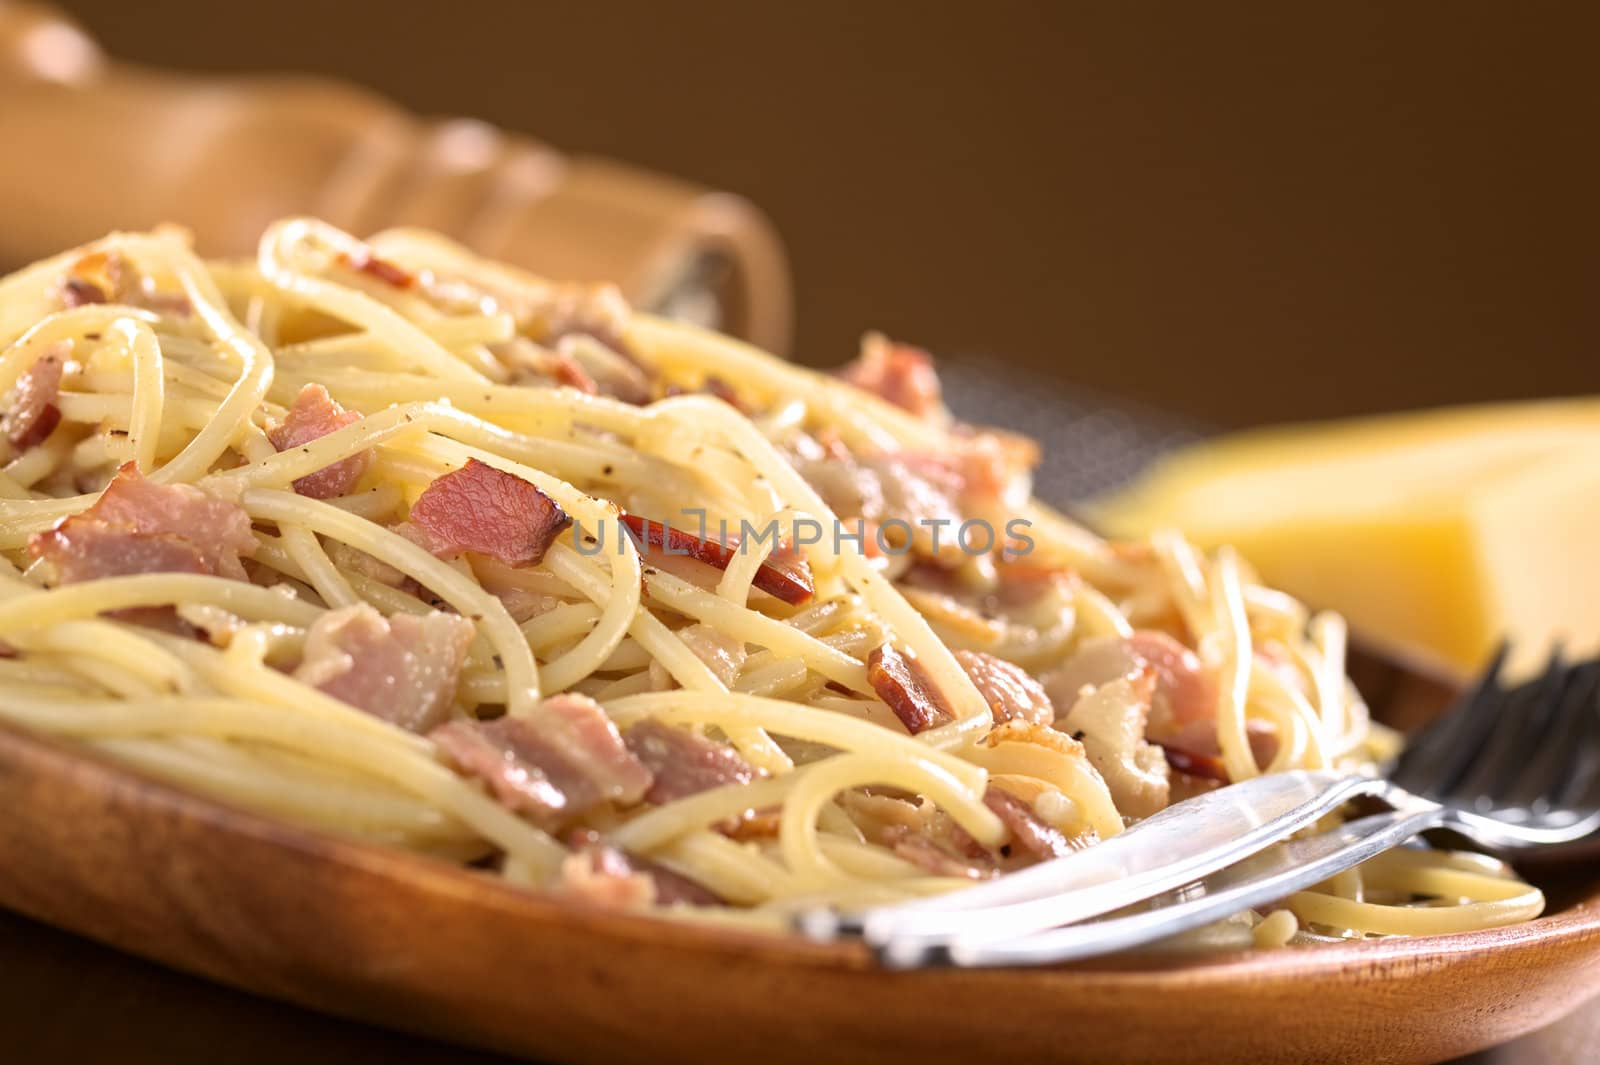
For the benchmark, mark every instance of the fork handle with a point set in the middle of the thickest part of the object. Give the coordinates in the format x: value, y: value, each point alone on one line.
x: 1264, y: 879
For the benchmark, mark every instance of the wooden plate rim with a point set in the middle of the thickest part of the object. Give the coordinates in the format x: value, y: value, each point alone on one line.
x: 1576, y: 925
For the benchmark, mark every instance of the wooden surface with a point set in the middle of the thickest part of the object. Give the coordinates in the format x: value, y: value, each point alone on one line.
x: 51, y: 984
x: 396, y: 940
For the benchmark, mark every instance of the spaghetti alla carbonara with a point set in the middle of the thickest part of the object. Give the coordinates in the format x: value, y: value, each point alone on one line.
x: 388, y: 540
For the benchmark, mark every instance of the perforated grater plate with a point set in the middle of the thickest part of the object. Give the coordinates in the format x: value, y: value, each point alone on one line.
x: 1091, y: 442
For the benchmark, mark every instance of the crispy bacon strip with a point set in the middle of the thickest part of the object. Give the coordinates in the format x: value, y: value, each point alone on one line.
x: 567, y: 759
x: 402, y: 669
x: 1028, y: 830
x: 1011, y: 693
x: 899, y: 373
x: 599, y: 873
x: 106, y: 277
x: 684, y: 763
x: 486, y: 510
x: 83, y: 549
x: 365, y: 262
x: 1206, y: 766
x: 1185, y: 692
x: 1188, y: 689
x: 938, y: 858
x: 34, y: 415
x: 784, y: 573
x: 724, y: 391
x: 901, y: 682
x: 568, y: 371
x: 76, y: 292
x: 95, y: 278
x: 140, y: 511
x: 313, y: 416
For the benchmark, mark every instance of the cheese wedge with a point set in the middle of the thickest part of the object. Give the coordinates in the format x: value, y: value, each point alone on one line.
x: 1435, y: 534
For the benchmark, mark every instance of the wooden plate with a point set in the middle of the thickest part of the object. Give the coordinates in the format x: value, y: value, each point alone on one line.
x: 426, y: 947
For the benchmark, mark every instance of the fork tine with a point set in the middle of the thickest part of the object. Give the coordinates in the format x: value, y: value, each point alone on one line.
x: 1553, y: 759
x: 1527, y: 715
x: 1439, y: 753
x: 1580, y: 785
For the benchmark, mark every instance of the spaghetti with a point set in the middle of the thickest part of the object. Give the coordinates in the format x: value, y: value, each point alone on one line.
x: 392, y: 541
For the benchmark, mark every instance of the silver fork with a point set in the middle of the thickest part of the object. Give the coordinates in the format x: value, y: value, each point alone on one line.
x: 1510, y: 768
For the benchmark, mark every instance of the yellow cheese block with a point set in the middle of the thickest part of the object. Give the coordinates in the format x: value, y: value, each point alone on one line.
x: 1435, y: 534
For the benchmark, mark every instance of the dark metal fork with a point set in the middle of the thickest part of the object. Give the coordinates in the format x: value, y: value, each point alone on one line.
x: 1524, y: 758
x: 1514, y: 769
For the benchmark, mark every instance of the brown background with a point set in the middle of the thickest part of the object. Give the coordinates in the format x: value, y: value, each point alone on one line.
x: 1239, y: 213
x: 1242, y: 214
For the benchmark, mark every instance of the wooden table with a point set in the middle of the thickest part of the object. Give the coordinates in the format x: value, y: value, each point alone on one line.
x: 66, y: 999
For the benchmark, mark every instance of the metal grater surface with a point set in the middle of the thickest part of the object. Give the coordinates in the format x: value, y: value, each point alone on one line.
x: 1091, y: 442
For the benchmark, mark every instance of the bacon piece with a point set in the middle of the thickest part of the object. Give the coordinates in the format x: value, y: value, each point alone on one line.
x: 606, y: 361
x: 1183, y: 684
x: 106, y: 277
x: 219, y: 528
x: 33, y: 414
x: 724, y: 391
x: 1011, y: 693
x: 899, y: 373
x: 753, y: 825
x: 82, y: 549
x: 99, y: 277
x: 313, y: 416
x: 567, y: 371
x: 365, y: 262
x: 993, y: 467
x: 402, y: 669
x: 1190, y: 763
x: 1201, y: 757
x: 926, y: 853
x: 684, y: 763
x: 904, y: 496
x: 920, y: 833
x: 605, y: 875
x: 601, y: 875
x: 784, y: 573
x: 76, y: 292
x: 1028, y: 830
x: 483, y: 509
x: 567, y: 759
x: 902, y: 683
x: 1185, y: 692
x: 493, y: 750
x: 216, y: 530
